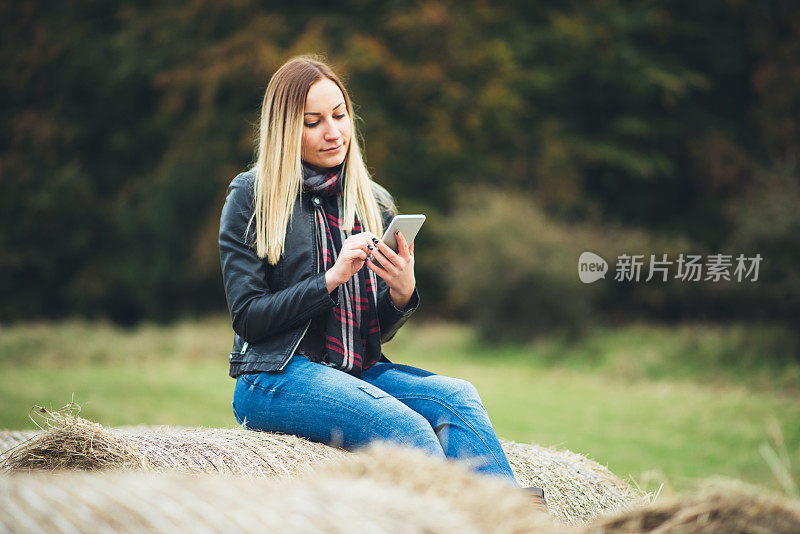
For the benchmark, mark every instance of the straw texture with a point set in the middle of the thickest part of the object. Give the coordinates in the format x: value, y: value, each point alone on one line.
x: 382, y: 489
x: 721, y: 511
x: 133, y: 502
x: 277, y: 483
x: 76, y: 443
x: 491, y: 503
x: 577, y: 489
x: 11, y: 438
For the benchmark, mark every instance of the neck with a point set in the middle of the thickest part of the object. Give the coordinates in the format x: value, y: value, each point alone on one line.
x: 322, y: 170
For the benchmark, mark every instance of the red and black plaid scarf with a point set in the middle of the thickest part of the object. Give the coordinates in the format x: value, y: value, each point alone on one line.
x: 351, y: 332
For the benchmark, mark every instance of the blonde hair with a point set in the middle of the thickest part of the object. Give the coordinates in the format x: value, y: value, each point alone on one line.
x: 278, y: 171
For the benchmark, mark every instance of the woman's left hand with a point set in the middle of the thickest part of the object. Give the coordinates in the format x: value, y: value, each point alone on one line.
x: 396, y: 268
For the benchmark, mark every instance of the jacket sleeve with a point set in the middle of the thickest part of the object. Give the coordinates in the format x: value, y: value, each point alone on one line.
x: 256, y: 310
x: 390, y: 317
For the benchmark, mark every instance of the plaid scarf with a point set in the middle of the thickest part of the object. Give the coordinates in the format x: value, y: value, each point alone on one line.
x: 351, y: 331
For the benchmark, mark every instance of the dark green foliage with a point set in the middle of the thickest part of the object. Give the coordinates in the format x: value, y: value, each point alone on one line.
x: 767, y: 221
x: 123, y: 124
x: 510, y: 270
x: 513, y: 270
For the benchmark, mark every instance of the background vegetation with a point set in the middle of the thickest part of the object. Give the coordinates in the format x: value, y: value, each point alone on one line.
x: 635, y: 127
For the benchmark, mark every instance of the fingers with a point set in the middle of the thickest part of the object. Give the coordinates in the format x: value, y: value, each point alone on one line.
x: 361, y: 242
x: 377, y: 269
x: 355, y: 254
x: 391, y: 256
x: 382, y: 261
x: 379, y: 257
x: 402, y: 245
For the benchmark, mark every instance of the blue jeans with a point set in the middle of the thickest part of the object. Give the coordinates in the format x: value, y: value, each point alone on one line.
x: 406, y: 405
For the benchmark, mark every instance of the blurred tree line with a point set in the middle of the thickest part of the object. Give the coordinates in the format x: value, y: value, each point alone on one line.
x: 528, y: 131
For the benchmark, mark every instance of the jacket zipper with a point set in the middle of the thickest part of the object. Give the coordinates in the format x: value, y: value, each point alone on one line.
x: 297, y: 344
x: 299, y: 339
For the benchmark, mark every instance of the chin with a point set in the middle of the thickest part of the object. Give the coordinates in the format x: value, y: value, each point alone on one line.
x: 329, y: 161
x: 333, y: 161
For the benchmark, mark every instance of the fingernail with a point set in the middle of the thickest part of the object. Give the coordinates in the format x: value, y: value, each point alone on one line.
x: 369, y: 258
x: 396, y: 232
x: 375, y: 240
x: 370, y: 246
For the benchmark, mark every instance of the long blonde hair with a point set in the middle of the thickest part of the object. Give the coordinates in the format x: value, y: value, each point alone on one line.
x: 278, y: 172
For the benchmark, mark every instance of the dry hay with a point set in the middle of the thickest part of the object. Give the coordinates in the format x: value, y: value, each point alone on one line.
x: 379, y: 489
x: 11, y: 438
x: 577, y: 489
x: 720, y: 511
x: 76, y: 443
x: 126, y: 501
x: 491, y: 504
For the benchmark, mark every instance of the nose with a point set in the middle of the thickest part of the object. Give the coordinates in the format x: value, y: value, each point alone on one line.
x: 332, y: 132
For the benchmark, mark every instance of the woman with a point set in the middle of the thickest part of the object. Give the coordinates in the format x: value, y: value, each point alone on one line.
x: 313, y: 292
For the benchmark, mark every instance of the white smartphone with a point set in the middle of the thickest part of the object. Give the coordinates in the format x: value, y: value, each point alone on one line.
x: 408, y: 224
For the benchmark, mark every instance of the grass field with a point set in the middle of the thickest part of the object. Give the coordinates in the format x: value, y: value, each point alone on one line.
x: 667, y: 405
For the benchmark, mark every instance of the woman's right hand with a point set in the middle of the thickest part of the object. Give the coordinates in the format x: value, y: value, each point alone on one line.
x: 355, y: 250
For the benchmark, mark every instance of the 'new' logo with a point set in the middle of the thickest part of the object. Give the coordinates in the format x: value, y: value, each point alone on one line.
x: 591, y: 267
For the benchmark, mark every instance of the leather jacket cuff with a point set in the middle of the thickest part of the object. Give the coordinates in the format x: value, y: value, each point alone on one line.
x: 333, y: 297
x: 409, y: 308
x: 391, y: 317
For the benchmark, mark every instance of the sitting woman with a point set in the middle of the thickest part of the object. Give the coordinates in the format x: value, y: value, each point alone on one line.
x: 313, y: 292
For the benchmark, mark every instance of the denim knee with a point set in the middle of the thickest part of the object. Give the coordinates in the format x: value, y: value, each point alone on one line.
x: 412, y: 430
x: 461, y: 391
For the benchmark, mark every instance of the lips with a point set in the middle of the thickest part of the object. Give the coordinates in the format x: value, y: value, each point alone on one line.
x: 333, y: 149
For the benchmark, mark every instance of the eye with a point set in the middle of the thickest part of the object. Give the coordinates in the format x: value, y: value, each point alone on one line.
x: 339, y: 116
x: 312, y: 124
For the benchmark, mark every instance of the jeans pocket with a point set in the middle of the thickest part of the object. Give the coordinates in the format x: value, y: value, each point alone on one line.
x: 374, y: 392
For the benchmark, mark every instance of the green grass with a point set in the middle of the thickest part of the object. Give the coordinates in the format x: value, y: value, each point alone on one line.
x: 150, y: 375
x: 670, y: 405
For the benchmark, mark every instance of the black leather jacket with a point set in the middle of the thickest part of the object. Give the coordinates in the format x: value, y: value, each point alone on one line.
x: 271, y: 306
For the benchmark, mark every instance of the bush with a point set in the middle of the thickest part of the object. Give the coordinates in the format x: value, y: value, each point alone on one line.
x: 766, y: 220
x: 512, y: 270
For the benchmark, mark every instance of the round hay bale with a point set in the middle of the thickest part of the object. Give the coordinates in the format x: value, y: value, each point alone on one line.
x: 577, y: 489
x: 172, y: 502
x: 491, y: 504
x: 721, y: 511
x: 76, y: 443
x: 236, y: 452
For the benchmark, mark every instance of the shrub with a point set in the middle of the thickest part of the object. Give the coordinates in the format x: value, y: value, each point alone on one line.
x: 512, y: 270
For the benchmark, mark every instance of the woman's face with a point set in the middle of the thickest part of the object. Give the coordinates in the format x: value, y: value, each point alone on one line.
x: 327, y: 126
